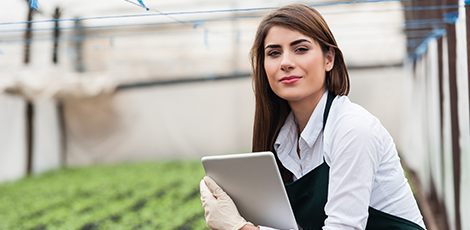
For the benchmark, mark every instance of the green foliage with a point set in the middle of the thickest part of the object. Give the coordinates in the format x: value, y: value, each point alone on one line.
x: 150, y: 195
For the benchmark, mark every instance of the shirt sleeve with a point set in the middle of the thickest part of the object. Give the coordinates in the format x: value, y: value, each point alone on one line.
x: 354, y: 151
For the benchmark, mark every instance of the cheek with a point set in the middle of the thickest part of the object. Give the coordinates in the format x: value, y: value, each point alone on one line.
x: 270, y: 70
x: 314, y: 66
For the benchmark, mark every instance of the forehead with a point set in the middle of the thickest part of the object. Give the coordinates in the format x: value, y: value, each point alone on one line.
x: 281, y: 35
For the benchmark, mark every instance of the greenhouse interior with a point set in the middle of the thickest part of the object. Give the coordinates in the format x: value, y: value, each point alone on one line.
x: 106, y: 107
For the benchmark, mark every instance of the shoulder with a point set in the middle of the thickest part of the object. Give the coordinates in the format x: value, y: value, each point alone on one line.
x: 352, y: 131
x: 345, y: 115
x: 349, y: 125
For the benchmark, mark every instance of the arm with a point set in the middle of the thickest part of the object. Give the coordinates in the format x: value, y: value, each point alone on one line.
x: 354, y: 153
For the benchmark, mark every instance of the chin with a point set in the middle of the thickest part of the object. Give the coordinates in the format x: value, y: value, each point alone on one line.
x: 291, y: 97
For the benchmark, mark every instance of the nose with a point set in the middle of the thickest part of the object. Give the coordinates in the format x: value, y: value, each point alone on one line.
x: 287, y: 63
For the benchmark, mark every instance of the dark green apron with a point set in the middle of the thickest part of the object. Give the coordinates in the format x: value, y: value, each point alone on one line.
x: 308, y: 196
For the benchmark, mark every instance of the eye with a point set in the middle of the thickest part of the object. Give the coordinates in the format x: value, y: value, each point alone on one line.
x: 273, y: 53
x: 301, y: 49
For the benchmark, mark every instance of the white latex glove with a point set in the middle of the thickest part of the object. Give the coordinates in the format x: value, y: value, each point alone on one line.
x: 220, y: 211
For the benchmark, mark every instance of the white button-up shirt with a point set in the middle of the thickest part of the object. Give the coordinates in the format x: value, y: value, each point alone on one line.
x: 365, y: 169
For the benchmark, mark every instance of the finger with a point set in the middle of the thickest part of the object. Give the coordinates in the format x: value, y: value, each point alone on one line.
x: 216, y: 190
x: 206, y: 197
x: 206, y: 194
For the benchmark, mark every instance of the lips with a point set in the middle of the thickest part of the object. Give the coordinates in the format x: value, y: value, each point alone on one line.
x: 290, y: 79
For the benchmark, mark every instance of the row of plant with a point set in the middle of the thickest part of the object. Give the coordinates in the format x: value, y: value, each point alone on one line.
x: 150, y: 195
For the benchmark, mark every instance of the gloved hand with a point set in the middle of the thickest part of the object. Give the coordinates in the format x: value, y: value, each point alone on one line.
x: 220, y: 211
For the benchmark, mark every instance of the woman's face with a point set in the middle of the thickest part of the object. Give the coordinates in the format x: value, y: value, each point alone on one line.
x: 295, y: 65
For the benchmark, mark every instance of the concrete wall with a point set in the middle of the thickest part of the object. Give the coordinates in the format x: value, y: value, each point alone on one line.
x: 46, y: 148
x: 12, y: 137
x: 177, y: 121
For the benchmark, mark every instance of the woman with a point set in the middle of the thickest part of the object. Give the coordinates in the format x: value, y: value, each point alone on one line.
x: 340, y: 165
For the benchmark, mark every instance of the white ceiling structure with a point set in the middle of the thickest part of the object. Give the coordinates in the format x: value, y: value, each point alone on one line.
x: 132, y: 44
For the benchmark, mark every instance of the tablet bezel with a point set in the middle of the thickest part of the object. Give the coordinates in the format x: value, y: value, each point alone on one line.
x: 255, y: 185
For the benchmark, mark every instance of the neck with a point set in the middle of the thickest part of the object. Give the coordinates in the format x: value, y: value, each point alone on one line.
x: 303, y: 109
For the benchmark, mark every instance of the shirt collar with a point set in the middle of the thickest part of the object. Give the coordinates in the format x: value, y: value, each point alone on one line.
x: 315, y: 123
x: 286, y: 145
x: 288, y: 134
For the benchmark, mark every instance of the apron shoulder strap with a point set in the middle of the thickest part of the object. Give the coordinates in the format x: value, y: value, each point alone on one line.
x: 329, y: 101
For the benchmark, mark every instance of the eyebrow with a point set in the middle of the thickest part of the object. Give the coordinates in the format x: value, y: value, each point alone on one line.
x: 299, y: 41
x: 291, y: 44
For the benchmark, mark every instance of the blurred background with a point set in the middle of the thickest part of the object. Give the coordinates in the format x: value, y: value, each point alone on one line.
x: 85, y: 83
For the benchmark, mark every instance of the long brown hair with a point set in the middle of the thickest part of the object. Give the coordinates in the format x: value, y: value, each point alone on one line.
x: 270, y: 110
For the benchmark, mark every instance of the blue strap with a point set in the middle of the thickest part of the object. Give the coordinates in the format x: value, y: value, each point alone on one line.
x: 33, y: 4
x: 142, y: 3
x: 451, y: 17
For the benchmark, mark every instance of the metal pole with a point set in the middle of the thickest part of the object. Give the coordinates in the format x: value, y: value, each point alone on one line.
x: 452, y: 51
x: 28, y: 35
x: 56, y: 36
x: 467, y: 16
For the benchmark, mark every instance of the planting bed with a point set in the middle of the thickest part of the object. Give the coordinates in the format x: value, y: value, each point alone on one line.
x: 150, y: 195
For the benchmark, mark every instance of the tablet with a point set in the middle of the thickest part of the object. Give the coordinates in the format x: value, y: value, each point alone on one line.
x: 254, y: 183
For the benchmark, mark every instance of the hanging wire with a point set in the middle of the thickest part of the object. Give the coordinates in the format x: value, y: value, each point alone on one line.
x: 195, y: 12
x: 231, y: 18
x: 399, y: 25
x: 194, y: 23
x: 408, y: 24
x: 394, y: 10
x: 148, y: 9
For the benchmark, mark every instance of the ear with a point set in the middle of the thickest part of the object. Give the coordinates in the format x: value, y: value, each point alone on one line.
x: 329, y: 59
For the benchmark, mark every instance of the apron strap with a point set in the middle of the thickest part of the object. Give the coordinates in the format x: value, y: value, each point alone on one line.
x: 329, y: 101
